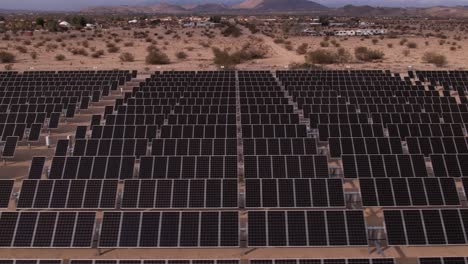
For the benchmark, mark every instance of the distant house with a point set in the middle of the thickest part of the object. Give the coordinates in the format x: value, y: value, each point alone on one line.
x: 90, y: 26
x: 65, y: 25
x: 133, y: 21
x: 370, y: 32
x: 345, y: 33
x: 310, y: 32
x: 205, y: 24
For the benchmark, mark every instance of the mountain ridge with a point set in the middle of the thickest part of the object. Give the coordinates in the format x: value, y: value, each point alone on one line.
x: 281, y: 6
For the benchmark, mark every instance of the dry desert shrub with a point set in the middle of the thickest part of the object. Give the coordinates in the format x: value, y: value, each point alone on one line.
x: 97, y: 54
x: 112, y: 48
x: 22, y: 49
x: 322, y: 56
x: 79, y: 51
x: 232, y: 31
x: 157, y: 57
x: 181, y: 55
x: 436, y: 59
x: 7, y: 57
x: 246, y: 53
x: 126, y: 57
x: 60, y: 57
x: 412, y: 45
x: 324, y: 44
x: 302, y: 49
x: 368, y: 55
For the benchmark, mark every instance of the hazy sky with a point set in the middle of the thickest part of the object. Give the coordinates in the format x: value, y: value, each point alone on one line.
x: 77, y: 4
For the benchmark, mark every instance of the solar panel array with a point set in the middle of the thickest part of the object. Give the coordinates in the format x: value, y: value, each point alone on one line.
x: 403, y: 138
x: 31, y: 261
x: 443, y: 260
x: 153, y: 261
x: 227, y: 159
x: 32, y: 101
x: 324, y: 261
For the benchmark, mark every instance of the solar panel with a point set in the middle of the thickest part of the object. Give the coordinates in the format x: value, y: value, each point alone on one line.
x: 326, y: 261
x: 124, y: 131
x: 409, y: 192
x: 443, y: 260
x: 437, y: 145
x: 6, y: 187
x: 188, y: 167
x: 450, y: 165
x: 54, y: 120
x: 270, y: 131
x: 264, y: 119
x: 68, y: 194
x: 36, y: 168
x: 285, y: 167
x: 35, y: 132
x: 381, y: 145
x: 426, y: 227
x: 194, y: 193
x: 280, y: 146
x: 194, y: 147
x: 92, y: 167
x: 378, y: 166
x: 350, y: 130
x: 425, y: 130
x: 81, y: 132
x: 406, y: 118
x: 31, y: 261
x: 198, y: 131
x: 338, y: 118
x: 62, y: 147
x: 10, y: 147
x: 169, y: 229
x: 154, y: 261
x: 294, y: 193
x: 110, y: 147
x: 306, y: 228
x: 47, y: 229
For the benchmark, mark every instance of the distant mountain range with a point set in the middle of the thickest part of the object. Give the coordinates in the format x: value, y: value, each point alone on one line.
x: 248, y: 6
x: 278, y: 6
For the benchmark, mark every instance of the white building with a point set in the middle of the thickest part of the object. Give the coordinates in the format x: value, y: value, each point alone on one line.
x: 65, y: 24
x: 345, y: 33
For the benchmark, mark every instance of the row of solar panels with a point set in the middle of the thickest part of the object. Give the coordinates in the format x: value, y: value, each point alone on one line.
x: 214, y: 193
x: 448, y: 260
x: 261, y: 166
x: 182, y: 229
x: 190, y: 147
x: 383, y: 108
x: 388, y: 118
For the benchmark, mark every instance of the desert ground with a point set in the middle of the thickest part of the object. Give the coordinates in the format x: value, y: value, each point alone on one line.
x: 40, y: 51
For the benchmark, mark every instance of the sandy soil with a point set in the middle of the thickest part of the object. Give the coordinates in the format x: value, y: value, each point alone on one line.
x: 200, y: 56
